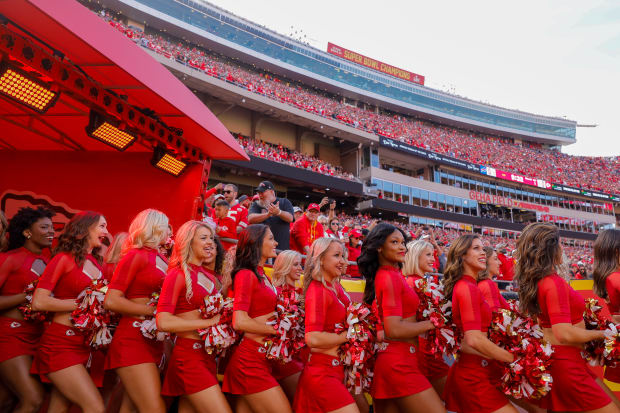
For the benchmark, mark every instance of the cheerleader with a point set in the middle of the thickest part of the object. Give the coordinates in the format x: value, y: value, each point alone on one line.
x: 138, y: 275
x: 469, y: 387
x: 488, y: 287
x: 62, y: 355
x: 192, y: 372
x: 248, y: 373
x: 30, y: 232
x: 398, y: 384
x: 113, y: 255
x: 419, y: 260
x: 606, y: 276
x: 321, y: 386
x: 287, y: 270
x: 559, y: 308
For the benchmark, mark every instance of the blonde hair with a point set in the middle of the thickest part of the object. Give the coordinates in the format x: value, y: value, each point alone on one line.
x: 283, y: 266
x: 313, y: 270
x: 182, y: 250
x: 148, y: 229
x: 412, y: 258
x: 113, y: 254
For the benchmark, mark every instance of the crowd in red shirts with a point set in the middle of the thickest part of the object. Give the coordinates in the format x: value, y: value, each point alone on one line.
x: 598, y: 173
x: 281, y: 154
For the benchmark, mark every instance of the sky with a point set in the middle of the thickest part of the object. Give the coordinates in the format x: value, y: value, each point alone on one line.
x: 556, y: 58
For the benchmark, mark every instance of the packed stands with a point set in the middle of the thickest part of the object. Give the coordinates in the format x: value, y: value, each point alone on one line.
x: 279, y: 153
x: 597, y: 173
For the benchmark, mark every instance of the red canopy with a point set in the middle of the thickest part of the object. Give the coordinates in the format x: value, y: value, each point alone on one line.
x: 117, y: 64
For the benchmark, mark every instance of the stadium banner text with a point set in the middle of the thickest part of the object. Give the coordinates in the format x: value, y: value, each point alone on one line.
x: 489, y: 171
x: 374, y: 64
x: 506, y: 202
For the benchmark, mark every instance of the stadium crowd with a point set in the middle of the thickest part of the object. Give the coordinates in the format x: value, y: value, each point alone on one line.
x: 597, y: 173
x: 229, y: 211
x: 281, y: 154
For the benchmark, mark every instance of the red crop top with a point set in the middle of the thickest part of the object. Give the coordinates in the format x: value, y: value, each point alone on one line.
x: 490, y: 293
x: 254, y: 297
x: 558, y: 302
x: 139, y: 273
x: 411, y: 279
x: 394, y: 296
x: 173, y: 297
x: 19, y: 268
x: 343, y: 296
x: 65, y: 279
x: 612, y: 284
x: 324, y: 309
x: 469, y: 310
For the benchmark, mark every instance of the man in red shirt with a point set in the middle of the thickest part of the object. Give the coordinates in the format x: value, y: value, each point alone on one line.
x: 354, y: 247
x: 306, y: 229
x: 506, y: 267
x: 236, y: 211
x: 225, y: 225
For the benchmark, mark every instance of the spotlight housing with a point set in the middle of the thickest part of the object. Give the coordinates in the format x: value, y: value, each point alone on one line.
x: 165, y: 161
x: 109, y: 132
x: 24, y: 88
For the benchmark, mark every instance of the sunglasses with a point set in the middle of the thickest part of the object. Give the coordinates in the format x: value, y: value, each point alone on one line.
x: 228, y: 191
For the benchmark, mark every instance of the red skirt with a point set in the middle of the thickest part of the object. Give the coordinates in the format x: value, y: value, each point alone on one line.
x: 397, y: 373
x: 613, y: 374
x: 248, y: 371
x: 469, y: 388
x: 60, y: 347
x: 129, y: 347
x: 190, y: 369
x: 574, y: 386
x: 433, y: 368
x: 321, y: 386
x: 281, y: 371
x: 18, y: 338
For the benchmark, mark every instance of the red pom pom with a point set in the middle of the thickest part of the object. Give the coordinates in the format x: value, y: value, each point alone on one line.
x: 90, y: 317
x: 528, y: 375
x: 148, y: 326
x: 358, y: 353
x: 26, y: 307
x: 221, y: 335
x: 289, y: 324
x: 445, y: 338
x: 603, y: 352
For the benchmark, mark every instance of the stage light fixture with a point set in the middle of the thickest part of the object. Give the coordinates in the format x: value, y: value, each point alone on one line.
x: 22, y: 87
x: 166, y: 162
x: 108, y: 132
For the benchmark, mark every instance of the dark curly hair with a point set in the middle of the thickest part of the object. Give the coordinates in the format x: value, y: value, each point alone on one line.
x: 538, y: 254
x: 23, y: 220
x: 249, y: 249
x: 368, y: 261
x: 74, y: 237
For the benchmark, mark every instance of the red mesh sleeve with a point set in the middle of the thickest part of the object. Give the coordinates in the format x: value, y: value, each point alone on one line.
x: 613, y: 290
x: 315, y: 303
x: 127, y: 269
x: 59, y: 265
x: 554, y: 295
x: 490, y: 294
x: 170, y: 291
x: 389, y: 292
x: 7, y: 266
x: 469, y: 299
x: 245, y: 282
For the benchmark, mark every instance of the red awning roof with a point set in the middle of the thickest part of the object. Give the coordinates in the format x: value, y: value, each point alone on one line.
x: 117, y: 64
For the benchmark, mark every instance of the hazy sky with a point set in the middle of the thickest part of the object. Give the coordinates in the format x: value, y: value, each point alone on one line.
x: 559, y: 58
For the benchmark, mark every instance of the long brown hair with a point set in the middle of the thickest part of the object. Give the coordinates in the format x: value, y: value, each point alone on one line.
x: 606, y: 256
x: 74, y: 237
x: 249, y: 249
x: 454, y: 262
x: 538, y: 253
x: 484, y: 274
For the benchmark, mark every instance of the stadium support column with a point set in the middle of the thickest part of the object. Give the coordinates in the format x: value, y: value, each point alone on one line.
x: 254, y: 120
x: 299, y: 132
